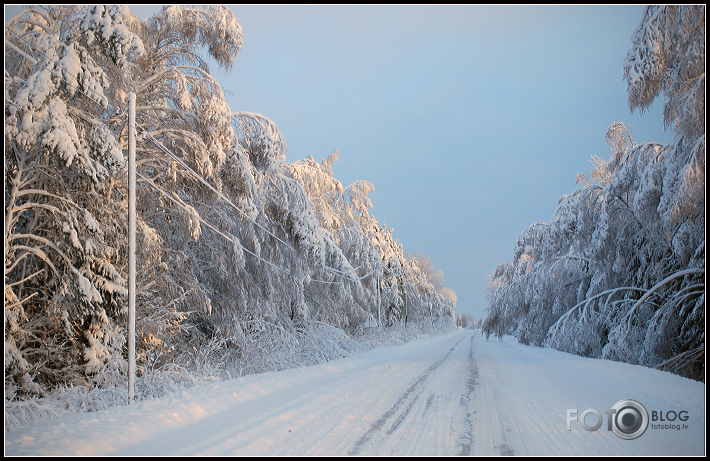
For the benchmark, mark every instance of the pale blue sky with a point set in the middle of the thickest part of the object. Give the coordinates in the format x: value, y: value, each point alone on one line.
x: 470, y: 121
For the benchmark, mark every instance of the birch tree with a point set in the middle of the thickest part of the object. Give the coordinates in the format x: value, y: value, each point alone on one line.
x: 239, y: 254
x: 619, y: 271
x: 64, y: 229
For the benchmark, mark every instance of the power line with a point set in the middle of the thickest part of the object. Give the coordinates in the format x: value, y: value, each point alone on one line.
x: 222, y: 196
x: 198, y: 217
x: 212, y: 188
x: 156, y: 142
x: 194, y: 214
x: 182, y: 163
x: 160, y: 146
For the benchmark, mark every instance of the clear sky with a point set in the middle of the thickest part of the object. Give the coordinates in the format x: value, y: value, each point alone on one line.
x: 470, y: 121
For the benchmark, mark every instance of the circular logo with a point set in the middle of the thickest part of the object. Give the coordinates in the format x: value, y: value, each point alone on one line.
x: 630, y: 420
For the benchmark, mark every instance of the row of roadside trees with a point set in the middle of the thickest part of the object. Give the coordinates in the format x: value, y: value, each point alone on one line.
x: 241, y: 257
x: 619, y: 271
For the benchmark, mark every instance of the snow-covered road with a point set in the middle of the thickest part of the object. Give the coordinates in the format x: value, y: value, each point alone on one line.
x: 455, y: 394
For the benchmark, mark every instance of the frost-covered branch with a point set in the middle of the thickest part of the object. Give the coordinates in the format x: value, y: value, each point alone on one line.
x: 638, y: 222
x: 629, y: 316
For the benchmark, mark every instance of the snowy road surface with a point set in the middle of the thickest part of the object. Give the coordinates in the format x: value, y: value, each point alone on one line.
x: 455, y: 394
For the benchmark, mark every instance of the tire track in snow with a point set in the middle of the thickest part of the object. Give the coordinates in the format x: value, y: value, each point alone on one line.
x: 492, y: 401
x: 427, y: 405
x: 468, y: 399
x: 466, y: 402
x: 504, y: 424
x: 411, y: 395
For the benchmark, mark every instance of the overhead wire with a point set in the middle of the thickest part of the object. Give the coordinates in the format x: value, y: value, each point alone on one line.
x: 212, y: 188
x: 198, y: 217
x: 177, y: 159
x: 220, y: 195
x: 227, y: 237
x: 329, y: 269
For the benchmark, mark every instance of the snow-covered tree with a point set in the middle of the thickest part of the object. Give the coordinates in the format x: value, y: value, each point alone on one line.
x: 668, y: 57
x: 67, y: 76
x: 376, y: 257
x: 619, y: 271
x: 64, y: 227
x: 241, y: 257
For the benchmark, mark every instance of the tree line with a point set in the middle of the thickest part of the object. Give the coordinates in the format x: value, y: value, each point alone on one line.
x: 241, y: 256
x: 619, y: 271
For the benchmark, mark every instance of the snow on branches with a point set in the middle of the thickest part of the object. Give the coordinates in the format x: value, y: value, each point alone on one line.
x: 240, y: 256
x: 668, y: 56
x: 618, y: 272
